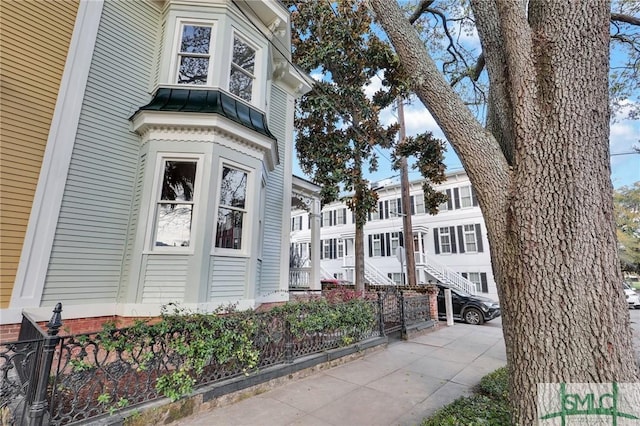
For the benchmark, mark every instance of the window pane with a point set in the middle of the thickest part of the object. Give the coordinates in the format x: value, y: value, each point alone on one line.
x: 229, y: 229
x: 233, y: 189
x: 195, y: 39
x: 240, y: 84
x: 173, y: 225
x: 178, y: 181
x: 243, y: 55
x: 193, y: 70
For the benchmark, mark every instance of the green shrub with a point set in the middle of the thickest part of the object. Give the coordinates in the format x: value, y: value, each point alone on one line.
x: 488, y: 407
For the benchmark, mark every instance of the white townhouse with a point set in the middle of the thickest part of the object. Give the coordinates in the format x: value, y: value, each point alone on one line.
x: 166, y: 173
x: 450, y: 247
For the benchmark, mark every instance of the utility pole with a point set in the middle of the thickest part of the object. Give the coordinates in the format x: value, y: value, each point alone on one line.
x: 406, y: 205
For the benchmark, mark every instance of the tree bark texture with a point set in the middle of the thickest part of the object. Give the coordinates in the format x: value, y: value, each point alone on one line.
x: 542, y: 175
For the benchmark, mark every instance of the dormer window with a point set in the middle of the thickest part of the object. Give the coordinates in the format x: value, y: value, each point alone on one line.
x: 194, y: 54
x: 242, y: 74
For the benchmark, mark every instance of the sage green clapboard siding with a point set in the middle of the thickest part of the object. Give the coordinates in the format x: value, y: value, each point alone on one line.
x: 164, y: 278
x: 228, y: 278
x: 133, y: 223
x: 274, y: 198
x: 95, y: 212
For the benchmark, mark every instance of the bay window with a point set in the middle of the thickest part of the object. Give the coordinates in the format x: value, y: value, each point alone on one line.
x: 232, y: 209
x: 194, y: 64
x: 175, y: 203
x: 241, y: 76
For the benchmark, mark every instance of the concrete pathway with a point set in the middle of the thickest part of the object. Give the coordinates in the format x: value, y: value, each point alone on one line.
x: 399, y: 385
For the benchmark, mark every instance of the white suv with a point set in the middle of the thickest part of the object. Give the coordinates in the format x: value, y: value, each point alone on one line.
x: 633, y: 299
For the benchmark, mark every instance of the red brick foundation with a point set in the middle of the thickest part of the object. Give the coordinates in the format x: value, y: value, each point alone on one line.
x: 9, y: 332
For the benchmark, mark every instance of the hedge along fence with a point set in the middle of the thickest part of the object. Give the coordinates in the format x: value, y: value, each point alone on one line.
x: 105, y: 372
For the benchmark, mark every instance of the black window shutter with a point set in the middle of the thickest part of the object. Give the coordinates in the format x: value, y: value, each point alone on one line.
x: 399, y: 201
x: 309, y: 221
x: 464, y: 275
x: 370, y: 245
x: 449, y: 200
x: 388, y: 244
x: 460, y: 239
x: 436, y: 240
x: 474, y: 198
x: 401, y: 238
x: 344, y: 215
x: 334, y: 247
x: 413, y: 209
x: 483, y: 282
x: 354, y: 217
x: 293, y: 220
x: 380, y: 210
x: 452, y: 238
x: 456, y: 197
x: 382, y: 249
x: 345, y: 247
x: 321, y: 220
x: 321, y: 250
x: 479, y: 238
x: 335, y: 213
x: 386, y: 209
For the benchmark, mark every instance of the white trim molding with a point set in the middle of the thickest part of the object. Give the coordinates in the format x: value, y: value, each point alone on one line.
x: 38, y: 242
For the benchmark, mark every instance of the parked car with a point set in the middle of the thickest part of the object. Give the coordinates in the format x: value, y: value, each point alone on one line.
x: 633, y: 299
x: 468, y: 308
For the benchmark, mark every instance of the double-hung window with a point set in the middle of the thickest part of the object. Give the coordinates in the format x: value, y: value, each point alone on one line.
x: 445, y: 240
x: 465, y: 197
x: 470, y: 244
x: 232, y: 210
x: 445, y: 205
x: 376, y: 245
x: 194, y: 64
x: 395, y: 241
x: 243, y: 63
x: 175, y: 203
x: 419, y: 203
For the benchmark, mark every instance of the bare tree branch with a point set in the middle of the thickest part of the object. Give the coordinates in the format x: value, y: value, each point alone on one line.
x: 422, y: 8
x: 627, y: 19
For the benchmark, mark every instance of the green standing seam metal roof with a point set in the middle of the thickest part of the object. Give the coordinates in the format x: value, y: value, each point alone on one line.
x: 208, y: 102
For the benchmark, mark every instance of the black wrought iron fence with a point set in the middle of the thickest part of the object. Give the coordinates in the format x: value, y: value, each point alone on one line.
x: 25, y: 367
x: 93, y: 374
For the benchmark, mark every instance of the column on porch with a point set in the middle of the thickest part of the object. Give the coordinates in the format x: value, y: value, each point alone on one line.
x: 305, y: 195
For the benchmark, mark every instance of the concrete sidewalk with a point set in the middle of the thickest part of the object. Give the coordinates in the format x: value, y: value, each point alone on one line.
x: 399, y: 385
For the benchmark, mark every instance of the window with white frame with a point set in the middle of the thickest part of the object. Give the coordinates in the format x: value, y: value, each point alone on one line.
x: 340, y: 249
x: 326, y: 218
x: 394, y: 211
x: 341, y: 216
x: 470, y: 244
x: 465, y: 196
x: 376, y: 245
x: 419, y: 203
x: 445, y: 240
x: 175, y: 203
x: 396, y: 277
x: 394, y: 238
x: 241, y: 76
x: 326, y: 249
x: 474, y: 277
x: 194, y: 64
x: 232, y: 209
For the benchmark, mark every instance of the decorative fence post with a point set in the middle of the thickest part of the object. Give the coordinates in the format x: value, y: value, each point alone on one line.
x: 403, y: 320
x: 288, y: 343
x: 45, y: 359
x: 381, y: 313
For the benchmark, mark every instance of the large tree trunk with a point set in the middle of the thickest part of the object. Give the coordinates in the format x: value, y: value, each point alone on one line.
x: 543, y: 181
